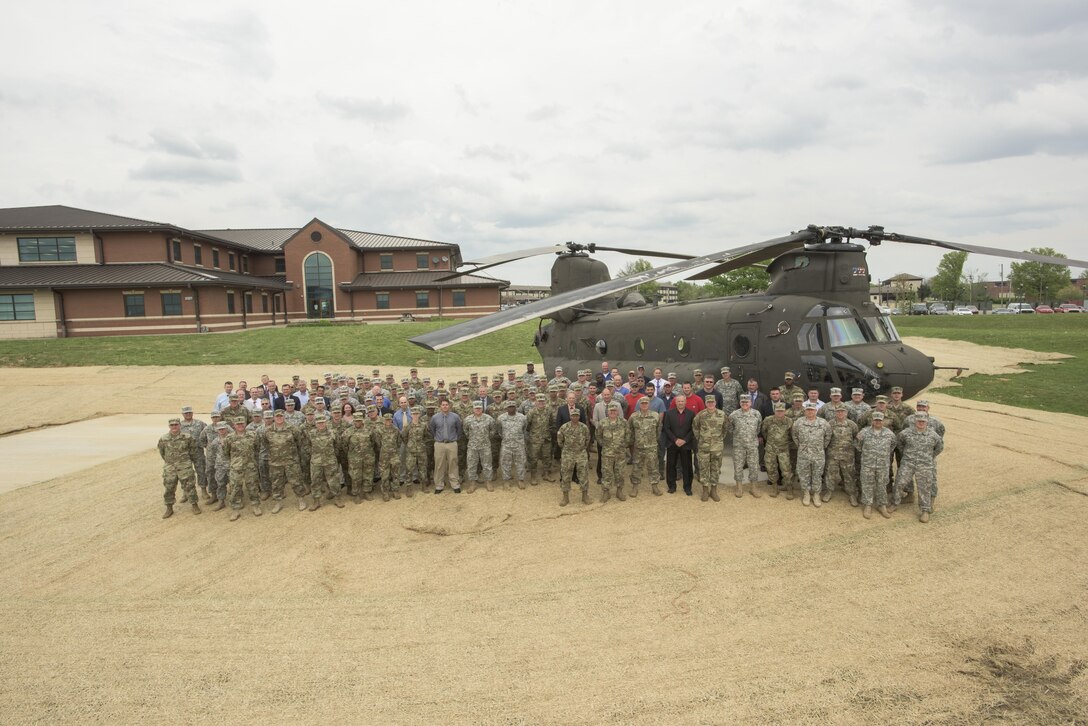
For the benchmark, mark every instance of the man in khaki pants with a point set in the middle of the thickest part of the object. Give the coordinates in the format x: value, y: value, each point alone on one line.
x: 445, y: 428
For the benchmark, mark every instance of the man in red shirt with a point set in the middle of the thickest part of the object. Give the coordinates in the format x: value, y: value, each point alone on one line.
x: 694, y: 403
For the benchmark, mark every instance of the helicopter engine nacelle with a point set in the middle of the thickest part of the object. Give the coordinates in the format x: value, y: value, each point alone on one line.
x: 573, y: 272
x: 821, y: 270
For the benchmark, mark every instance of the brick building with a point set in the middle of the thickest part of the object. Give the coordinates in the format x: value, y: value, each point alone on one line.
x: 72, y: 272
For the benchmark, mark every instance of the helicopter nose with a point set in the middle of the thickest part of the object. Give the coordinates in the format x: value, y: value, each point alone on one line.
x: 901, y: 365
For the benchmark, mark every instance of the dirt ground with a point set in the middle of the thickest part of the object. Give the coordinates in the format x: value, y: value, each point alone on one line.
x: 503, y: 608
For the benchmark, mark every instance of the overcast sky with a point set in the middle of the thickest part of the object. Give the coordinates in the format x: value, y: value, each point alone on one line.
x: 504, y: 125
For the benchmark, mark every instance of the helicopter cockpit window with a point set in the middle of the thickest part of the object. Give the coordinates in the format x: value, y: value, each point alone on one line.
x: 810, y: 337
x: 886, y: 321
x: 683, y: 347
x: 844, y: 331
x: 827, y: 310
x: 640, y: 346
x: 602, y: 347
x: 879, y: 332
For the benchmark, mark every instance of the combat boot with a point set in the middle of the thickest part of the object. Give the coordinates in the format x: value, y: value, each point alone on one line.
x: 816, y: 500
x: 302, y: 504
x: 196, y: 508
x: 605, y: 495
x: 396, y: 493
x: 315, y: 503
x: 277, y: 506
x: 619, y: 493
x: 408, y: 491
x: 585, y: 496
x: 490, y: 485
x: 789, y: 492
x: 705, y: 495
x: 367, y: 496
x: 204, y: 493
x: 219, y: 504
x: 235, y: 514
x: 521, y: 483
x: 385, y: 495
x: 257, y: 510
x: 714, y: 493
x: 168, y: 512
x: 655, y: 489
x: 265, y: 495
x: 755, y: 490
x: 825, y: 496
x: 566, y: 498
x: 634, y: 490
x: 806, y: 500
x: 923, y: 517
x: 853, y: 500
x: 868, y: 511
x: 739, y: 490
x: 885, y: 513
x: 339, y: 504
x: 774, y: 489
x: 470, y: 487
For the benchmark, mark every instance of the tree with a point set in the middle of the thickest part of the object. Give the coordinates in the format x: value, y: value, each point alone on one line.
x: 948, y: 283
x: 1070, y: 293
x: 647, y: 289
x: 688, y: 291
x: 737, y: 282
x: 976, y: 288
x: 904, y: 294
x: 1037, y: 280
x: 924, y: 291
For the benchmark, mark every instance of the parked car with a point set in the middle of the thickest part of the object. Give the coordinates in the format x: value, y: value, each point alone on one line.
x: 1045, y: 310
x: 1068, y: 308
x: 918, y: 309
x: 885, y: 310
x: 962, y: 310
x: 1021, y: 308
x: 938, y: 309
x: 1002, y: 311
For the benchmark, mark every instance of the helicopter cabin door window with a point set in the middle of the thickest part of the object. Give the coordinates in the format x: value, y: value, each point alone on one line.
x: 683, y: 346
x: 742, y: 342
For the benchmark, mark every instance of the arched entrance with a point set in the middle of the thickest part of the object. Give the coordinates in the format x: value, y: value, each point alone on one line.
x: 317, y: 276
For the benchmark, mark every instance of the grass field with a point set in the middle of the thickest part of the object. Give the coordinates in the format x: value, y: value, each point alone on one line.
x: 1048, y: 387
x: 385, y: 345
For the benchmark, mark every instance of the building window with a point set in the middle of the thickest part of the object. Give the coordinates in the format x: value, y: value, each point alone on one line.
x: 198, y: 257
x: 134, y: 305
x: 230, y: 302
x: 386, y: 261
x: 317, y: 272
x: 171, y: 303
x: 421, y: 260
x: 277, y: 303
x: 423, y: 299
x: 47, y: 249
x: 281, y: 266
x: 245, y: 264
x: 458, y: 298
x: 382, y: 300
x: 16, y: 307
x: 230, y: 260
x: 215, y: 258
x: 176, y: 245
x: 249, y: 302
x: 264, y: 302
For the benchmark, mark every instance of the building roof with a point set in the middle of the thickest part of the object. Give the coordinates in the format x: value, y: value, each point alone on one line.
x: 423, y: 278
x: 134, y: 274
x: 59, y: 216
x: 904, y: 277
x: 274, y: 238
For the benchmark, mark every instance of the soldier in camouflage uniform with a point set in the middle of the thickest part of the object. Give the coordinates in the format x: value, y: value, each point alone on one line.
x: 292, y: 417
x: 935, y: 424
x: 840, y: 457
x: 538, y: 424
x: 478, y: 429
x: 710, y: 426
x: 856, y: 406
x: 812, y: 435
x: 463, y: 408
x: 178, y: 452
x: 512, y: 430
x: 361, y: 457
x: 257, y: 426
x: 204, y: 441
x: 795, y: 412
x: 876, y: 445
x: 745, y: 423
x: 573, y: 437
x: 415, y: 457
x: 645, y: 427
x: 827, y: 413
x: 195, y: 428
x: 613, y: 438
x: 920, y: 448
x: 427, y: 473
x: 324, y: 469
x: 730, y: 390
x: 559, y: 380
x: 282, y: 443
x: 788, y: 390
x: 241, y: 449
x: 387, y: 440
x: 219, y: 466
x: 776, y: 450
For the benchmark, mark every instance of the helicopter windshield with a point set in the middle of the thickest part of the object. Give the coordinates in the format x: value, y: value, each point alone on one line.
x: 844, y: 331
x: 882, y: 329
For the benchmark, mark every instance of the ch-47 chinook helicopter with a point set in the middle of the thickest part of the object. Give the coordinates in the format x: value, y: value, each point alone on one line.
x: 815, y: 319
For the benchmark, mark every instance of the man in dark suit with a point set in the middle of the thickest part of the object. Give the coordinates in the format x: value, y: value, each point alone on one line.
x: 759, y: 399
x: 275, y: 398
x: 679, y: 439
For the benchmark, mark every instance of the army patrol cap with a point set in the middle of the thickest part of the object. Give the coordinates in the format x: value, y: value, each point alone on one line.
x: 289, y: 402
x: 267, y: 414
x: 644, y: 401
x: 311, y: 412
x: 839, y: 409
x: 511, y: 403
x: 233, y: 396
x: 697, y: 372
x: 836, y: 391
x: 615, y: 406
x: 343, y: 394
x: 921, y: 416
x: 881, y: 399
x: 798, y: 397
x: 810, y: 404
x: 878, y: 416
x: 897, y: 389
x: 174, y: 422
x: 186, y: 409
x: 432, y: 404
x: 780, y: 406
x: 387, y: 417
x: 559, y: 369
x: 222, y: 427
x: 725, y: 369
x: 217, y: 414
x: 672, y: 376
x: 478, y: 404
x: 359, y: 416
x: 857, y: 392
x: 321, y: 419
x: 922, y: 403
x: 313, y: 381
x: 375, y: 372
x: 541, y: 397
x: 744, y: 398
x: 510, y: 370
x: 576, y: 413
x: 789, y: 375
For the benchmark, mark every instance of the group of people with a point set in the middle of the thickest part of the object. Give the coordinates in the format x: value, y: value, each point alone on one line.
x: 370, y: 435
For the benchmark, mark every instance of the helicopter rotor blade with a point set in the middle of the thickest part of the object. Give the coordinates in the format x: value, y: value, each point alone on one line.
x: 495, y: 260
x: 642, y: 253
x: 445, y: 337
x: 752, y: 259
x: 990, y: 251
